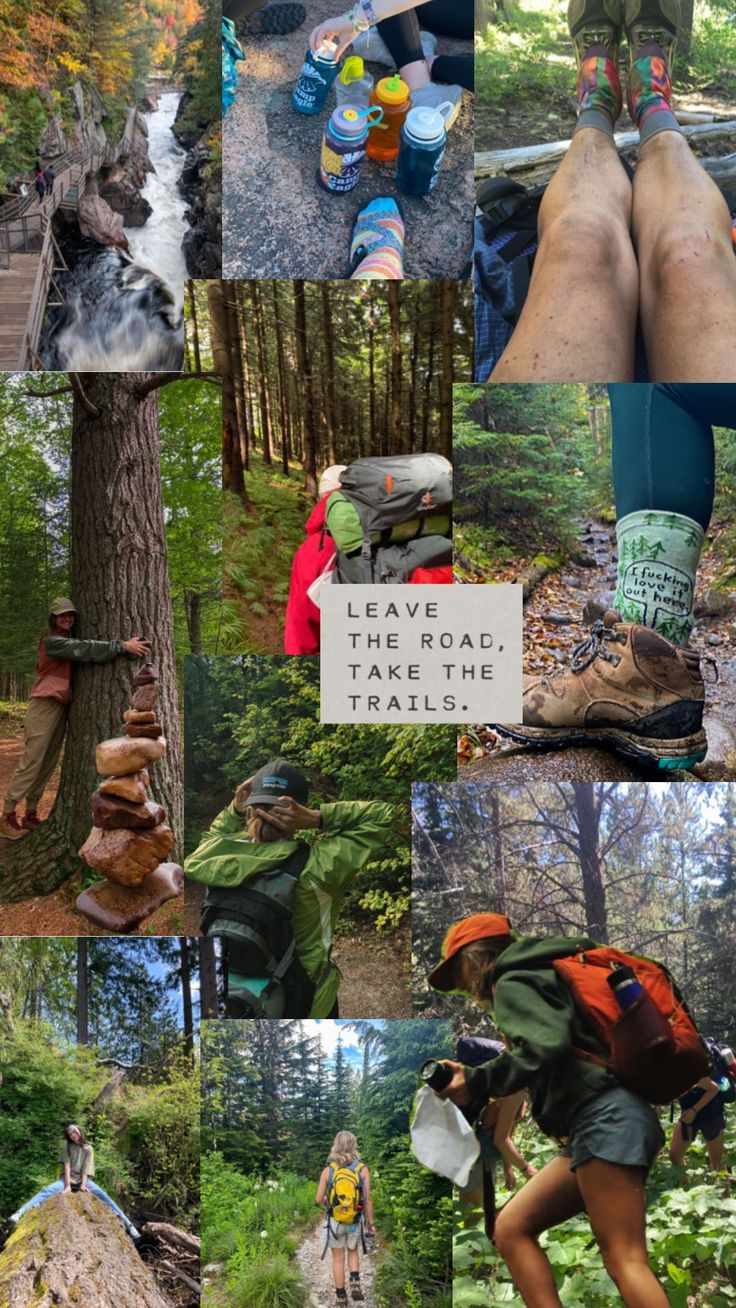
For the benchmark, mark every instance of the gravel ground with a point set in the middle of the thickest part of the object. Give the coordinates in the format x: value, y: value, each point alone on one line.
x: 279, y: 222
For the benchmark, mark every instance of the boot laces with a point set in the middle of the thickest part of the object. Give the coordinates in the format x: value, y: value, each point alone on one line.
x: 596, y: 645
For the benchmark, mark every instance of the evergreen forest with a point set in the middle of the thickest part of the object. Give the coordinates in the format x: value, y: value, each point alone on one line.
x: 274, y: 1096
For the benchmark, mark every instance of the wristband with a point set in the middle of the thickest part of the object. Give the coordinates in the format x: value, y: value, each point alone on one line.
x: 359, y: 23
x: 369, y: 12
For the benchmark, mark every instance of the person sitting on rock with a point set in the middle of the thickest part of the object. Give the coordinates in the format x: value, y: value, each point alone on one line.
x: 348, y: 1204
x: 634, y: 685
x: 45, y: 721
x: 301, y: 630
x: 77, y: 1160
x: 256, y: 834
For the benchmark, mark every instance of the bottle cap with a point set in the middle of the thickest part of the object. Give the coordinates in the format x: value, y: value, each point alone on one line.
x: 352, y: 70
x: 425, y: 124
x: 348, y: 122
x: 327, y: 52
x: 392, y: 90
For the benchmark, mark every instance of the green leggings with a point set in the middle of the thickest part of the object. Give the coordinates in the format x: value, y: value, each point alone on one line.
x: 662, y: 445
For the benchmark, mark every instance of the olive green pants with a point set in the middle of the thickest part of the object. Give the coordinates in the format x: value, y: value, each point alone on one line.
x: 44, y: 730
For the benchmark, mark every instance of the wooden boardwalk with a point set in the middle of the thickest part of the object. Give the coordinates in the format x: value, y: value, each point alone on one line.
x: 29, y: 255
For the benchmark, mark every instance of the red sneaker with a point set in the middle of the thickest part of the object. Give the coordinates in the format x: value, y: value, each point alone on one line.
x: 10, y: 828
x: 31, y: 820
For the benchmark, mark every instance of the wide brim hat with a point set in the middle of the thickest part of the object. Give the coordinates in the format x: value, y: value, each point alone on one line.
x: 278, y: 780
x: 479, y: 926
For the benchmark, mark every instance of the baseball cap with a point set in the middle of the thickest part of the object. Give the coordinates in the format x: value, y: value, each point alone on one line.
x: 479, y: 926
x: 275, y: 781
x: 62, y: 605
x: 330, y: 479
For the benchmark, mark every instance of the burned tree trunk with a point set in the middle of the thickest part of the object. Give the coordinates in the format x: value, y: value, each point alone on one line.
x: 73, y: 1249
x: 120, y: 585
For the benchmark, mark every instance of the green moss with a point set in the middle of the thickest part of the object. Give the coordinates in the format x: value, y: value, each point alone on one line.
x: 548, y: 561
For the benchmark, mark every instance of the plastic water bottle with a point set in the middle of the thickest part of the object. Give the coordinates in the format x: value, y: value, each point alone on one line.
x: 421, y: 149
x: 392, y: 95
x: 354, y: 85
x: 343, y: 147
x: 318, y: 73
x: 436, y: 1074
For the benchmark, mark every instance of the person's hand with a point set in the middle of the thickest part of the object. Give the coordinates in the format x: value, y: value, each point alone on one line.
x: 240, y: 800
x: 529, y: 1170
x: 140, y: 648
x: 508, y: 1177
x: 67, y: 1189
x: 688, y: 1116
x: 288, y: 817
x: 457, y: 1091
x: 335, y: 29
x: 83, y: 1188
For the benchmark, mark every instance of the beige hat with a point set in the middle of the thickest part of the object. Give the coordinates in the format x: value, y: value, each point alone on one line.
x: 62, y: 605
x: 330, y: 479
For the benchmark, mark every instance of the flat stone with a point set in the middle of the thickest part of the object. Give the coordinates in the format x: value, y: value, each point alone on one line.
x: 113, y: 814
x: 147, y: 674
x: 146, y: 697
x: 596, y: 605
x: 138, y: 715
x: 144, y: 730
x: 132, y: 787
x: 122, y: 908
x: 559, y: 619
x: 121, y: 756
x: 719, y: 763
x: 715, y: 604
x: 126, y: 856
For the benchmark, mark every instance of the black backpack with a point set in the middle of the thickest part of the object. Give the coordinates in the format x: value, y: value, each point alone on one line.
x: 254, y: 923
x: 393, y: 498
x: 720, y: 1071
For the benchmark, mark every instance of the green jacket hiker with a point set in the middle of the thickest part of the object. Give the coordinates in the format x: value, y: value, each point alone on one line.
x: 351, y: 833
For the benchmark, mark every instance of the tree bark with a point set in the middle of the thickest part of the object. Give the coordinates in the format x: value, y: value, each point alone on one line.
x: 447, y: 301
x: 330, y: 389
x: 305, y: 372
x: 283, y: 395
x: 82, y: 992
x: 262, y: 380
x: 120, y: 584
x: 233, y: 478
x: 588, y: 816
x: 208, y: 978
x: 195, y: 329
x: 394, y: 437
x: 186, y: 995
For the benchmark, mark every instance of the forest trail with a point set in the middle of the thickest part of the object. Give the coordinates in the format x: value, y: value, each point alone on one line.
x: 376, y: 973
x: 55, y: 914
x: 318, y: 1272
x: 260, y: 543
x: 557, y: 616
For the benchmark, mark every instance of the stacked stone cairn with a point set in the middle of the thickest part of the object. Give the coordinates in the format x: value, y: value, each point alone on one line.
x: 130, y: 839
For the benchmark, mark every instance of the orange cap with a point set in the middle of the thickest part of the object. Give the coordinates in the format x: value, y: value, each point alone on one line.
x: 479, y: 926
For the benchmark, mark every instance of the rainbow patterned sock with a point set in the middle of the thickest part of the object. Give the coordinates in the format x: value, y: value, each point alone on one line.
x: 649, y: 93
x: 377, y: 248
x: 599, y: 91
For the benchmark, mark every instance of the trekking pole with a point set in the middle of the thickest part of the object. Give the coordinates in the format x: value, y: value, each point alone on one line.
x: 489, y: 1202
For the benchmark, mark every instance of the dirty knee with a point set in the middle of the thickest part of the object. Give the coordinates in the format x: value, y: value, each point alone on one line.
x: 688, y: 256
x: 588, y: 245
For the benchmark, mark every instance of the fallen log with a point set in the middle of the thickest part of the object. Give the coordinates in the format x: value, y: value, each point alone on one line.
x: 72, y: 1249
x: 172, y: 1234
x: 541, y: 161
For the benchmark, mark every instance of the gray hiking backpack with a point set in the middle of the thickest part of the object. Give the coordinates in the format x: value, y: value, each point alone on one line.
x: 404, y: 506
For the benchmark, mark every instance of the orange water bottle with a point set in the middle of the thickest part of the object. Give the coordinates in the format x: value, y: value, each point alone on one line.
x: 392, y: 95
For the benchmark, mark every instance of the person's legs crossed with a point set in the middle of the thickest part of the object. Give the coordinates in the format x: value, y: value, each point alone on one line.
x: 615, y: 1201
x: 550, y: 1197
x: 578, y: 322
x: 45, y: 718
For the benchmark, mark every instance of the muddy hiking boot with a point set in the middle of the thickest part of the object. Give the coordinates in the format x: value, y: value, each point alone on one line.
x: 652, y: 20
x: 625, y: 688
x: 355, y: 1291
x: 596, y: 22
x: 341, y: 1296
x: 277, y: 19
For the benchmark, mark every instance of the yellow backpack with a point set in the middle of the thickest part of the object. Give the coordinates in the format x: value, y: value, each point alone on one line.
x: 345, y: 1193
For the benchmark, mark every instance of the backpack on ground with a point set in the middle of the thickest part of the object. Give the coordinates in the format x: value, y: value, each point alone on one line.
x: 720, y: 1071
x: 254, y: 921
x: 345, y: 1199
x: 401, y: 508
x: 665, y: 1073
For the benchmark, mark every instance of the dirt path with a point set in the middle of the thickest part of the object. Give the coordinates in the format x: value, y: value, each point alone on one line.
x: 279, y: 222
x: 376, y: 973
x: 557, y: 617
x: 318, y: 1272
x: 55, y: 914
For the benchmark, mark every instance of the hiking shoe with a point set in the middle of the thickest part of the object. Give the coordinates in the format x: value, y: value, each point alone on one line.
x: 31, y: 820
x: 652, y: 20
x: 133, y: 1231
x: 370, y: 45
x: 356, y: 1292
x: 626, y: 688
x: 273, y: 20
x: 597, y: 22
x: 10, y: 827
x: 341, y: 1296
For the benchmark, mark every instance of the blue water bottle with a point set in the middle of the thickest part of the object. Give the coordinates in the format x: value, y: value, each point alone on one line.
x: 625, y: 986
x: 421, y: 147
x: 318, y: 73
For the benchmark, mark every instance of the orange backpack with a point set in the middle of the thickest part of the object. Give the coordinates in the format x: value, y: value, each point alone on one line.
x: 669, y: 1069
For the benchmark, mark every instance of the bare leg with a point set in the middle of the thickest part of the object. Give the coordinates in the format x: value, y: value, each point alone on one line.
x: 682, y: 234
x: 551, y: 1197
x: 715, y: 1152
x: 678, y: 1146
x: 615, y: 1201
x: 338, y: 1268
x: 579, y: 319
x: 353, y: 1260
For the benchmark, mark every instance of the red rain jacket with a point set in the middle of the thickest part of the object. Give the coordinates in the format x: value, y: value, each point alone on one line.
x: 301, y: 633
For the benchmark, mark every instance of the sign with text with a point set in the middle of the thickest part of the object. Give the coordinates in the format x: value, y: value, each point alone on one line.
x: 421, y: 653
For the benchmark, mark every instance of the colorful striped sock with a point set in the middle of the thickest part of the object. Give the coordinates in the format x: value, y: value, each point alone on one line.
x: 377, y: 248
x: 649, y: 93
x: 599, y: 91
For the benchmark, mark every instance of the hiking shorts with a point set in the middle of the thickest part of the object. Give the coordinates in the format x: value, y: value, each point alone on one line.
x: 618, y: 1127
x: 342, y: 1236
x: 710, y: 1121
